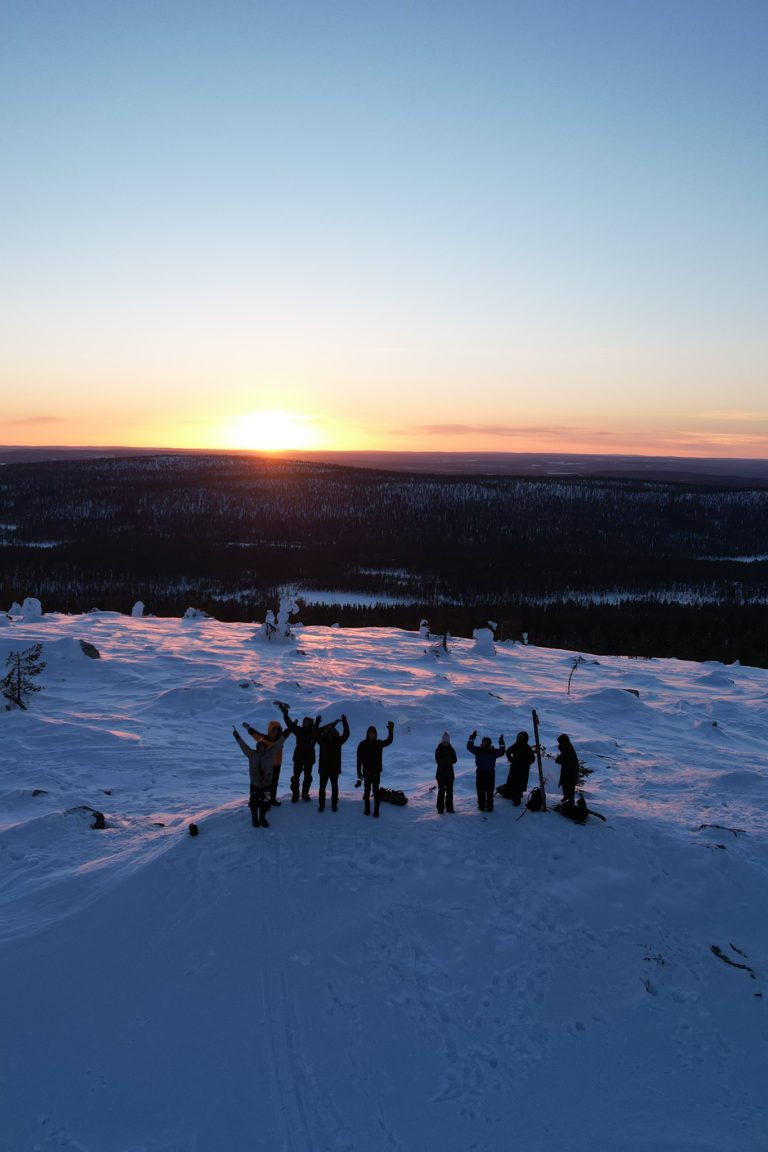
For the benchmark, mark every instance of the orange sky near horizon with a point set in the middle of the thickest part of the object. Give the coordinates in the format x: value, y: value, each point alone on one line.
x: 518, y: 227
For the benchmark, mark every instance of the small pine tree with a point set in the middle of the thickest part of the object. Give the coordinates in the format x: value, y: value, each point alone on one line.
x: 18, y: 683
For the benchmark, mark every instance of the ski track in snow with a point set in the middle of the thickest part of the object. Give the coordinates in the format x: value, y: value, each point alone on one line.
x: 335, y: 982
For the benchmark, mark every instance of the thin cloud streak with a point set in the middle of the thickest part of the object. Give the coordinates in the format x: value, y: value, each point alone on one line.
x: 24, y: 421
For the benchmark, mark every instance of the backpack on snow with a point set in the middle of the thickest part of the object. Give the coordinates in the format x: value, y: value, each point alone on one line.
x: 535, y: 801
x: 575, y: 810
x: 393, y: 796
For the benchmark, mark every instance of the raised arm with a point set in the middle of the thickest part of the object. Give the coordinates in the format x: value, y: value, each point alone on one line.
x: 291, y: 725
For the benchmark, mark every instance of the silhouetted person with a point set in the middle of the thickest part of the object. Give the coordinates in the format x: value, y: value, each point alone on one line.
x: 260, y: 776
x: 329, y: 742
x: 303, y: 753
x: 273, y: 733
x: 445, y: 758
x: 485, y: 764
x: 569, y: 767
x: 369, y: 765
x: 520, y: 756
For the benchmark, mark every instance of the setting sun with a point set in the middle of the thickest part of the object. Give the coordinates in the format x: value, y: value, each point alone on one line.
x: 272, y: 431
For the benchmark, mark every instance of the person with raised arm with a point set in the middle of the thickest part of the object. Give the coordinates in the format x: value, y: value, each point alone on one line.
x: 273, y: 733
x: 303, y: 752
x: 369, y: 765
x: 329, y: 742
x: 485, y: 764
x: 260, y: 776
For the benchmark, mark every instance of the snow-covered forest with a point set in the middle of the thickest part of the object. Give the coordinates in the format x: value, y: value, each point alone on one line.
x: 421, y: 982
x: 647, y: 567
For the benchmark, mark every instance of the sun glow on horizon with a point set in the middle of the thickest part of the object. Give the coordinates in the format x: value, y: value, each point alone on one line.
x: 272, y: 431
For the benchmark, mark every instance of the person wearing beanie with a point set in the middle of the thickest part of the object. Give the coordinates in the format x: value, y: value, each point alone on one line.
x: 445, y: 758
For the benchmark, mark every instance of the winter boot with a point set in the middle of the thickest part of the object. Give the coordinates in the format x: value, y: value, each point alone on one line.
x: 367, y: 807
x: 264, y: 822
x: 334, y: 805
x: 321, y: 804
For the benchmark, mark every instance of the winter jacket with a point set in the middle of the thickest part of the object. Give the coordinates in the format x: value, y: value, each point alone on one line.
x: 520, y: 756
x: 260, y: 762
x: 306, y: 737
x: 569, y: 770
x: 445, y: 758
x: 269, y: 737
x: 485, y: 758
x: 329, y: 744
x: 369, y: 755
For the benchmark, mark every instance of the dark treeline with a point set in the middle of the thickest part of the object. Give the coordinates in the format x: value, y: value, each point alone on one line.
x: 224, y: 533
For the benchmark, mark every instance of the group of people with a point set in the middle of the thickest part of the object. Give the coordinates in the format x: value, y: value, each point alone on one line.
x: 321, y: 743
x: 315, y: 742
x: 520, y: 756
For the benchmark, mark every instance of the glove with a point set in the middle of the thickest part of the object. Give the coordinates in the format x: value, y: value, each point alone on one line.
x: 358, y: 782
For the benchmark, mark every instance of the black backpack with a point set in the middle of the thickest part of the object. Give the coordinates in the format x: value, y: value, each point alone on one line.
x: 393, y: 796
x: 577, y: 810
x: 535, y: 801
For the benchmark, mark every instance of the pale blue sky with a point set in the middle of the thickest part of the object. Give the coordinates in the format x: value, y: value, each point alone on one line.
x: 547, y: 218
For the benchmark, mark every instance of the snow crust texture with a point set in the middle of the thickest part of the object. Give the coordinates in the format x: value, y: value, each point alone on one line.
x: 335, y: 983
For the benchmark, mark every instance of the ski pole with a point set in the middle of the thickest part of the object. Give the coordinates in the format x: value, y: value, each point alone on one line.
x: 538, y: 761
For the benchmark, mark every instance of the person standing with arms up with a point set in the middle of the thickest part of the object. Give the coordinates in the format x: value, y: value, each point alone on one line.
x: 303, y: 753
x: 260, y: 776
x: 329, y: 742
x: 485, y: 763
x: 274, y: 732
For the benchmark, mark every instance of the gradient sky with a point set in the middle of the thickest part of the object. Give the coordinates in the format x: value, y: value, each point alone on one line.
x: 535, y: 225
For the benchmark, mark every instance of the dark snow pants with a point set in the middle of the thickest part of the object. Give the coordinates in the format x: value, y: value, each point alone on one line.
x: 301, y: 767
x: 371, y: 785
x: 334, y: 779
x: 485, y: 783
x: 259, y: 804
x: 445, y: 796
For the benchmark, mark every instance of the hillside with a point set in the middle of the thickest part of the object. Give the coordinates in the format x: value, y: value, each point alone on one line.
x: 642, y: 566
x: 417, y: 982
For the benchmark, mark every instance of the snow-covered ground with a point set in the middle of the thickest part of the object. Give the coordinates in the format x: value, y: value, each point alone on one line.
x: 416, y: 982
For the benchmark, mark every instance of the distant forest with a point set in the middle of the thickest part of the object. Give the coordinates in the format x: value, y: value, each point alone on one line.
x: 641, y: 567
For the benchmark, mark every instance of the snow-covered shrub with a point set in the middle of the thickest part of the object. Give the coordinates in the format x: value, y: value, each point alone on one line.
x: 483, y: 642
x: 193, y: 614
x: 277, y: 629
